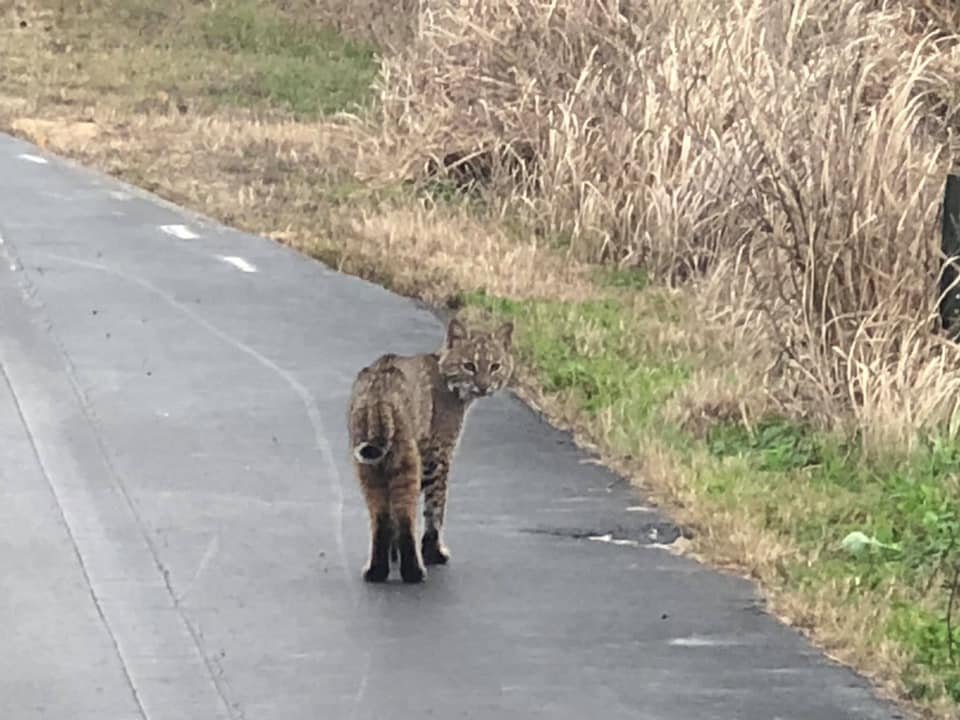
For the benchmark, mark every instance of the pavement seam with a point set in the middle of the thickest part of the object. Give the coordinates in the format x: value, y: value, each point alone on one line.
x: 70, y: 374
x: 73, y: 543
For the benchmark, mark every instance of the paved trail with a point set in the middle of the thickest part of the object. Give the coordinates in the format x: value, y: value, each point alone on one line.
x: 181, y: 537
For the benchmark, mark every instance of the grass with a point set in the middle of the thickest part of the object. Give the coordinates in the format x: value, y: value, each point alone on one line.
x: 296, y: 66
x: 156, y: 57
x: 812, y: 223
x: 656, y: 277
x: 586, y: 352
x: 814, y: 493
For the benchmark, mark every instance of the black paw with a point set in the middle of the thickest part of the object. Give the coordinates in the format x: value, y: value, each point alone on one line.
x: 411, y: 569
x: 433, y: 553
x: 376, y: 573
x: 413, y: 573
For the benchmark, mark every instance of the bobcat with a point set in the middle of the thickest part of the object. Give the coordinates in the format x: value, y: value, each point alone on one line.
x: 406, y: 417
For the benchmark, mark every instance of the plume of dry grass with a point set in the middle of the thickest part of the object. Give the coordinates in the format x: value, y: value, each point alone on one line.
x: 390, y: 24
x: 800, y: 146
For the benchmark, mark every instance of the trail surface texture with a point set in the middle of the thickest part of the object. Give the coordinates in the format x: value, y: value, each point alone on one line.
x: 182, y: 539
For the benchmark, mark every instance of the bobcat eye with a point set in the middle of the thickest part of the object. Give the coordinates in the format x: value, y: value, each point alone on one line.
x: 494, y: 367
x: 469, y: 367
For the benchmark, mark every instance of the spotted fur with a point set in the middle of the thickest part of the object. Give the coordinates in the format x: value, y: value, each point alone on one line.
x: 406, y: 418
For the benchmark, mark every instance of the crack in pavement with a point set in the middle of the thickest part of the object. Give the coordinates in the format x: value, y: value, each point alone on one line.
x: 648, y: 533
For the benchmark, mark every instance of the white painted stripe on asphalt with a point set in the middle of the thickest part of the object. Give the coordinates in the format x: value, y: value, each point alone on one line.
x: 213, y: 547
x: 608, y: 538
x: 179, y: 231
x: 120, y: 195
x: 32, y: 158
x: 239, y: 263
x: 697, y: 641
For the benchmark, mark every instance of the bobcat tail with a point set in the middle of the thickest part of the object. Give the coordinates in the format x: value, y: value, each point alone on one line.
x: 372, y: 428
x: 369, y: 453
x: 373, y: 415
x: 373, y: 422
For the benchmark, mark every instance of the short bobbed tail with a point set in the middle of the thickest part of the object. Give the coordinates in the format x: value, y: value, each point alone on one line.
x: 368, y: 453
x: 373, y: 421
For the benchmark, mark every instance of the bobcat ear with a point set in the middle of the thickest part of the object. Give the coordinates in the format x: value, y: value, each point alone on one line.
x: 505, y: 334
x: 456, y: 332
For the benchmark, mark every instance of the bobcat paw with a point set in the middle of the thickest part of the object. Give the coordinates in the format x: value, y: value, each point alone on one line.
x: 376, y: 573
x: 413, y: 573
x: 433, y: 552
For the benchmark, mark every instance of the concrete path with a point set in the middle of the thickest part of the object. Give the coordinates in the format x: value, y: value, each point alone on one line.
x: 181, y: 537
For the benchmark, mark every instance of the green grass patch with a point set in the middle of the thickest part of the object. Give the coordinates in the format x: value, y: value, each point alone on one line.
x: 773, y: 445
x: 627, y: 279
x: 588, y: 351
x: 813, y: 490
x: 306, y: 69
x: 248, y: 54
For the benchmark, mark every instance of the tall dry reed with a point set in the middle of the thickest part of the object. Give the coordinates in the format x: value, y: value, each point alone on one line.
x: 793, y: 150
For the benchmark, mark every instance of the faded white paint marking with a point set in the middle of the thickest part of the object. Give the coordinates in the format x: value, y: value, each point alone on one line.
x: 213, y: 547
x: 608, y: 538
x: 32, y: 158
x: 323, y: 444
x: 120, y: 195
x: 699, y: 641
x: 179, y: 231
x: 640, y: 508
x: 239, y: 263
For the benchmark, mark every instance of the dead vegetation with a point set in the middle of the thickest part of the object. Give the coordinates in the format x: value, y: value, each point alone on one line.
x: 785, y: 159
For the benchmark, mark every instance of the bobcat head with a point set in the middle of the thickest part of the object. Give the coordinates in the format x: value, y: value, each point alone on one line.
x: 476, y: 363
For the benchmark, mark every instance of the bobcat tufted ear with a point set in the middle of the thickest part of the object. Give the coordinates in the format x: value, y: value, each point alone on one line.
x: 505, y: 334
x: 456, y: 332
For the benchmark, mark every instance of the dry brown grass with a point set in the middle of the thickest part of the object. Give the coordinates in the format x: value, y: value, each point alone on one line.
x: 803, y: 143
x: 390, y: 24
x: 309, y: 183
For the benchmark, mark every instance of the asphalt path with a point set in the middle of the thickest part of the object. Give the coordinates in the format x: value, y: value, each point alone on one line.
x: 181, y: 536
